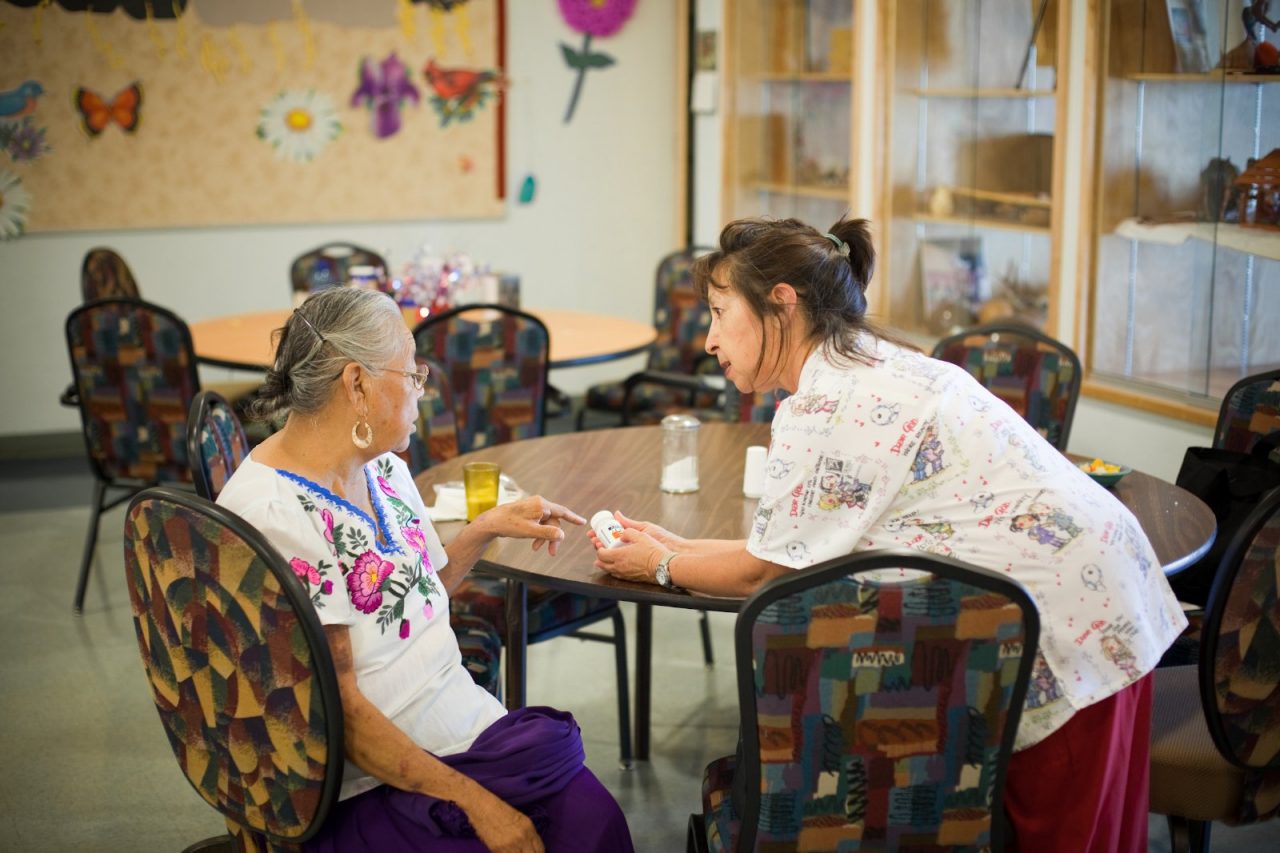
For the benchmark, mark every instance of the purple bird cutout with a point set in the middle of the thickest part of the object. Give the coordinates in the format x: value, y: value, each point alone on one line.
x: 385, y: 93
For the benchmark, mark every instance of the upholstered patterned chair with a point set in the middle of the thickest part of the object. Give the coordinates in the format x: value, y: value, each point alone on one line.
x: 1215, y: 729
x: 327, y: 266
x: 681, y: 321
x: 876, y: 712
x: 216, y: 443
x: 1036, y: 375
x: 1250, y: 411
x: 135, y: 376
x: 105, y: 275
x: 239, y: 667
x: 491, y: 362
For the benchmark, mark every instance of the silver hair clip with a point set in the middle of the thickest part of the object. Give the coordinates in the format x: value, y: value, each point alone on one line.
x: 310, y: 325
x: 841, y: 246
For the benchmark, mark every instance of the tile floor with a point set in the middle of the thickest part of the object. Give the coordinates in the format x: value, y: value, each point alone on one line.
x: 86, y: 765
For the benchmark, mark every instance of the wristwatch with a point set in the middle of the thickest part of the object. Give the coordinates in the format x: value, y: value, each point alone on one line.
x: 662, y: 574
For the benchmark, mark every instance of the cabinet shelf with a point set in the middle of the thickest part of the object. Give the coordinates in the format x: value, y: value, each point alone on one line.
x: 981, y: 222
x: 1206, y: 77
x: 806, y: 190
x: 1252, y: 241
x: 967, y: 92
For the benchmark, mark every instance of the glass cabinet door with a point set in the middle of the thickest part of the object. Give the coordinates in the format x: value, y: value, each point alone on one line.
x: 971, y: 113
x: 1186, y: 287
x: 790, y: 99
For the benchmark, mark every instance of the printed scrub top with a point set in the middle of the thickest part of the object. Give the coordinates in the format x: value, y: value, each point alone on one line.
x: 386, y: 592
x: 914, y: 453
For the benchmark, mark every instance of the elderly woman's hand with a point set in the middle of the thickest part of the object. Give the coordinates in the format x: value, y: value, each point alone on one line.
x: 502, y: 828
x: 634, y: 559
x: 533, y: 518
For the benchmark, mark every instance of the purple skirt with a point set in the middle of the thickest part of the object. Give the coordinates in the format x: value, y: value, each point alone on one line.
x: 531, y: 759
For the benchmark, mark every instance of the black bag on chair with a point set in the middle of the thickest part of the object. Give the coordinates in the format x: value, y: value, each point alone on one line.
x: 1232, y: 484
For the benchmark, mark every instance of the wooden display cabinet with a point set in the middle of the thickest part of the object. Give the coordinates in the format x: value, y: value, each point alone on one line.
x: 971, y: 160
x: 1181, y: 302
x: 789, y: 86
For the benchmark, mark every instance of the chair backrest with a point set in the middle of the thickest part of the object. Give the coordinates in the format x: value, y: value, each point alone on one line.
x: 135, y: 372
x: 679, y: 316
x: 216, y: 443
x: 326, y: 266
x: 437, y: 418
x: 757, y: 407
x: 880, y: 707
x: 1036, y: 375
x: 496, y: 360
x: 1250, y: 411
x: 239, y: 666
x: 105, y: 275
x: 1240, y: 658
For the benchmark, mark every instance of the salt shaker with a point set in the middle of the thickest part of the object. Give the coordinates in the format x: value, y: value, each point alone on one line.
x: 680, y: 454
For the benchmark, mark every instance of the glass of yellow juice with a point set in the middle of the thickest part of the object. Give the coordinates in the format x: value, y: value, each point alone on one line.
x: 481, y: 482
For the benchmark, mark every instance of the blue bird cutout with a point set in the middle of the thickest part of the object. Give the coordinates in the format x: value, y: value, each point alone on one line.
x: 21, y: 101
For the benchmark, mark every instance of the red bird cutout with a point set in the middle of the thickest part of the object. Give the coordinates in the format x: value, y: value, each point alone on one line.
x: 456, y: 82
x: 96, y: 114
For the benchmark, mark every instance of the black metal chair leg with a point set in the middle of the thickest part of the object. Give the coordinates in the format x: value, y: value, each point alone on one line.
x: 708, y: 656
x: 1188, y: 836
x: 624, y: 689
x: 90, y: 541
x: 696, y: 840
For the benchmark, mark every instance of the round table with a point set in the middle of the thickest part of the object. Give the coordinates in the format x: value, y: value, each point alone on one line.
x: 243, y: 341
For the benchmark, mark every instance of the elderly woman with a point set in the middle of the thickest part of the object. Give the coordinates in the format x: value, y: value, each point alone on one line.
x: 433, y: 761
x: 880, y: 447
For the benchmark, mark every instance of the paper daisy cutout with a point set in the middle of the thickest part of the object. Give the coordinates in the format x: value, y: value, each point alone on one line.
x: 15, y: 201
x: 299, y: 124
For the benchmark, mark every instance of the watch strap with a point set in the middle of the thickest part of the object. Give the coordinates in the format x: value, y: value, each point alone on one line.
x: 662, y: 574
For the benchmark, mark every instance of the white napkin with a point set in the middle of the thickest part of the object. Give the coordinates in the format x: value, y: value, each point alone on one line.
x: 451, y: 499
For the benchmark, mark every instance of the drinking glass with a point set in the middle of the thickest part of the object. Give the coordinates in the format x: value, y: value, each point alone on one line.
x: 481, y: 482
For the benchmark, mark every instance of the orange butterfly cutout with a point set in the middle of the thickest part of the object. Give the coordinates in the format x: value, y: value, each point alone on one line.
x: 96, y: 114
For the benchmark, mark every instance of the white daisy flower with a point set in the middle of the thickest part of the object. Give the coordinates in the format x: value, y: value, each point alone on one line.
x: 15, y: 201
x: 299, y: 124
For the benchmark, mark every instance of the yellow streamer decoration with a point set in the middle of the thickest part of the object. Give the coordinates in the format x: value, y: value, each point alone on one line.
x: 463, y: 17
x: 308, y: 39
x: 100, y: 44
x: 37, y: 23
x: 180, y: 42
x: 213, y: 59
x: 437, y: 30
x: 246, y: 61
x: 153, y: 32
x: 405, y: 13
x: 277, y: 45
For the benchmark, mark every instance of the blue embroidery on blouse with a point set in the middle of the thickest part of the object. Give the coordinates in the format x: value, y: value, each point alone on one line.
x: 392, y: 546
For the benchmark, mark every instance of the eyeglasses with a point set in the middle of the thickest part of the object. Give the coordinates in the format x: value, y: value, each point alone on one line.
x: 419, y: 380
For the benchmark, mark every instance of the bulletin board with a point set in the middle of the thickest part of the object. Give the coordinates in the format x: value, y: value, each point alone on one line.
x: 161, y: 113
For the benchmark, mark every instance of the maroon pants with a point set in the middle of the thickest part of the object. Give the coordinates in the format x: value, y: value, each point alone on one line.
x: 1084, y: 788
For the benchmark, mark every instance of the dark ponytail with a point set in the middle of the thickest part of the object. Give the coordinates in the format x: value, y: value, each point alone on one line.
x: 830, y: 272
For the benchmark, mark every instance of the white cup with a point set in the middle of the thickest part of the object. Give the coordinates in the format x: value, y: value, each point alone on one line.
x: 753, y: 471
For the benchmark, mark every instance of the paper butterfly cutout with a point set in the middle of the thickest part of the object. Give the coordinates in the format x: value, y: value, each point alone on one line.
x: 96, y: 114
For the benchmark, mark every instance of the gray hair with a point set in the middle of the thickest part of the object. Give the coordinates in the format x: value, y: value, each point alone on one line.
x: 329, y: 331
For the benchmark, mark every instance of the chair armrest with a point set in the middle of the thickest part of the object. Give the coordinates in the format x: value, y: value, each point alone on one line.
x: 680, y: 381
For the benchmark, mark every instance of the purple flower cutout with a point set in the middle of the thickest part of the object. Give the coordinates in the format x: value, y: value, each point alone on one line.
x: 365, y: 581
x: 591, y: 18
x: 385, y: 92
x: 26, y: 142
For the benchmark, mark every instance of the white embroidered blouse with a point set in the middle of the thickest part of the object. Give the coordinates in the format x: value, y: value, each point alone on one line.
x: 380, y: 581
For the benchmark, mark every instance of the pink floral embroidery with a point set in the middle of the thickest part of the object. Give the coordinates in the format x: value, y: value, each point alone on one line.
x: 326, y: 587
x: 418, y: 542
x: 305, y: 570
x: 365, y: 581
x: 428, y: 611
x: 386, y: 488
x: 404, y: 629
x: 328, y: 525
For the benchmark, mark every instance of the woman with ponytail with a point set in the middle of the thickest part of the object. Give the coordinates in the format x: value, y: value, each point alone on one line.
x: 879, y: 446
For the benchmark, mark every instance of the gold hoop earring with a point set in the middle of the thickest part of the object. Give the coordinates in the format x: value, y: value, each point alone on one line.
x: 362, y: 441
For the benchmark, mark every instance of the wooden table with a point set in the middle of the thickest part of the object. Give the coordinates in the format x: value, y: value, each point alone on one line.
x: 243, y: 341
x: 618, y: 469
